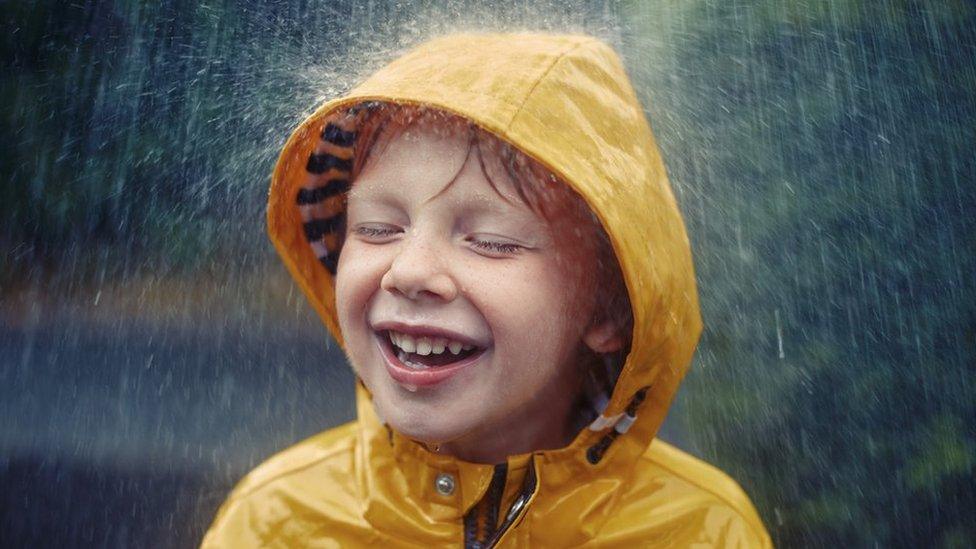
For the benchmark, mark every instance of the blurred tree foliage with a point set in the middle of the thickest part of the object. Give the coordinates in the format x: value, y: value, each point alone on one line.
x: 134, y: 129
x: 822, y: 153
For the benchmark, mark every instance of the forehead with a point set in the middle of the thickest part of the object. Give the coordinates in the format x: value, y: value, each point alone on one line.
x: 432, y: 156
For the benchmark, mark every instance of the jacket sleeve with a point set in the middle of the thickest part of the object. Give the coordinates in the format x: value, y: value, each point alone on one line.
x: 237, y: 525
x: 745, y: 534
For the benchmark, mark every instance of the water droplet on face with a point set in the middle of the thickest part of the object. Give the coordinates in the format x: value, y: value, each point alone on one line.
x: 411, y: 388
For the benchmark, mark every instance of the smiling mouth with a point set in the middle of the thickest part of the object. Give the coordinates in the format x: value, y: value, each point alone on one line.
x: 422, y: 353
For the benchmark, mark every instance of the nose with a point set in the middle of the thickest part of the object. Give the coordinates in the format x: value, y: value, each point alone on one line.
x: 418, y: 271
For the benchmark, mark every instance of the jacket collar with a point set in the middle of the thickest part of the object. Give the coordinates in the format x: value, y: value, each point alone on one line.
x: 398, y: 478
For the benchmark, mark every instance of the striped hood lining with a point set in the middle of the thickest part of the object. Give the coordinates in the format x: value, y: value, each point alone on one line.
x: 321, y: 199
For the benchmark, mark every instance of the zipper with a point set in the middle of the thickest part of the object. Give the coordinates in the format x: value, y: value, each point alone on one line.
x: 479, y: 523
x: 491, y: 504
x: 517, y: 510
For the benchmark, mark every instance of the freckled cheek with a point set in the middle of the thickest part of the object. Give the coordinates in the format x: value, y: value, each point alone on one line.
x: 358, y: 280
x: 559, y: 284
x: 573, y: 282
x: 523, y: 309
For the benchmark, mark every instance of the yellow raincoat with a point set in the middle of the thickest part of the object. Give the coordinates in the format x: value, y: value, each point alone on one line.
x: 567, y: 102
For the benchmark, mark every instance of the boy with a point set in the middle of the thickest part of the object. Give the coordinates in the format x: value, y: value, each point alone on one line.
x: 486, y: 226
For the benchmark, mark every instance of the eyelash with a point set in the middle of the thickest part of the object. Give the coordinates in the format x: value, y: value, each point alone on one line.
x: 496, y: 247
x: 489, y: 246
x: 375, y: 232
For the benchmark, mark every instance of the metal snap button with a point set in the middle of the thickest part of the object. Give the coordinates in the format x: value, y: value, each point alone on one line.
x: 444, y: 484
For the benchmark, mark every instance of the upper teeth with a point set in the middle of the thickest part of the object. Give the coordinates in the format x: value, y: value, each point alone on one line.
x: 427, y: 345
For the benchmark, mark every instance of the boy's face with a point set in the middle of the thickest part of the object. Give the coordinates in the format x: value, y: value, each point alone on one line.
x: 463, y: 311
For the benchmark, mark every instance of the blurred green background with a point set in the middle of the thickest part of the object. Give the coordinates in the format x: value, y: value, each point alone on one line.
x: 152, y: 349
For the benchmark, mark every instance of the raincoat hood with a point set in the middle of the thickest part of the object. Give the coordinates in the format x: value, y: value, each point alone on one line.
x: 565, y: 101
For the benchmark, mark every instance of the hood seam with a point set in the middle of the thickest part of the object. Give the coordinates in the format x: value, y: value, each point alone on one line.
x: 539, y: 80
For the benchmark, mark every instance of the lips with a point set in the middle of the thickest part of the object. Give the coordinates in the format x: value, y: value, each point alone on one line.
x: 422, y: 358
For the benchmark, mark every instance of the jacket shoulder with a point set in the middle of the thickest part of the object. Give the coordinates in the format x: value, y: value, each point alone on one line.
x: 297, y: 491
x: 329, y: 446
x: 677, y: 500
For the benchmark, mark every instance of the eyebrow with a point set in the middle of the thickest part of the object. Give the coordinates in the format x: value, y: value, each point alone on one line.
x: 383, y: 194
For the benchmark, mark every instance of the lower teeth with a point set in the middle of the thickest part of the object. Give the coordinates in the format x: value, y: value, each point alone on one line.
x: 402, y: 356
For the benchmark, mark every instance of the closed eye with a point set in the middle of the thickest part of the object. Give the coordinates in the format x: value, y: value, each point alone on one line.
x: 495, y: 247
x: 376, y: 232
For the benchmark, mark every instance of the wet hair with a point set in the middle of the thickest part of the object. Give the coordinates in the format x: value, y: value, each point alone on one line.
x: 544, y: 193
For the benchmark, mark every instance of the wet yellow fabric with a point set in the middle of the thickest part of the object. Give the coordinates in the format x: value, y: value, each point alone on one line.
x: 567, y: 102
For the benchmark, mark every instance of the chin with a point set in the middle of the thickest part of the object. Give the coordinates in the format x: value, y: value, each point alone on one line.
x: 422, y: 424
x: 425, y: 433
